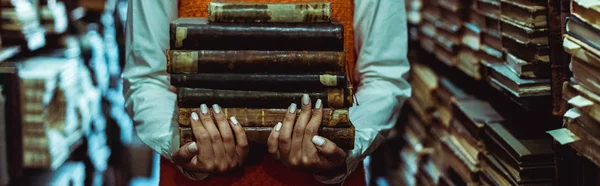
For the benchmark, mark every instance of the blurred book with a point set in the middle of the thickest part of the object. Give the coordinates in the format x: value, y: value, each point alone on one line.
x: 503, y: 77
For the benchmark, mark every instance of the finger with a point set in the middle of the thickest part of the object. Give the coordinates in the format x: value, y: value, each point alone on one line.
x: 226, y: 135
x: 215, y: 136
x: 241, y: 139
x: 202, y: 137
x: 285, y: 134
x: 185, y: 153
x: 329, y: 150
x: 273, y: 140
x: 298, y: 134
x: 309, y: 151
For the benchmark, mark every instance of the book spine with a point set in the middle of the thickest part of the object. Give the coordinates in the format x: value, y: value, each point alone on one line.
x: 270, y: 82
x: 269, y: 12
x: 193, y: 97
x: 269, y: 117
x: 257, y: 36
x: 248, y: 61
x: 342, y: 137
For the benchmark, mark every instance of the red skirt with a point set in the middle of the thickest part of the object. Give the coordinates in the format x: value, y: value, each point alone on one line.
x: 258, y: 170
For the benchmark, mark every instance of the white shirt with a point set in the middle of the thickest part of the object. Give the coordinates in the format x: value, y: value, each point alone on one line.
x: 380, y: 41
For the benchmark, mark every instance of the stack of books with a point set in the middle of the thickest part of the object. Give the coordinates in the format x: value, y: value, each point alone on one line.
x: 583, y: 91
x: 449, y: 28
x: 254, y: 64
x: 21, y: 25
x: 485, y: 15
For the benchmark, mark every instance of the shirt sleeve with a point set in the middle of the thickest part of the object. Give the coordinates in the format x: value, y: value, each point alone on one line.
x: 148, y: 101
x: 381, y: 41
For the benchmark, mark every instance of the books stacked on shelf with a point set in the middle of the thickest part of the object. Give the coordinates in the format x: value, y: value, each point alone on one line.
x: 485, y: 14
x: 21, y: 25
x: 449, y: 30
x: 254, y: 64
x: 583, y: 91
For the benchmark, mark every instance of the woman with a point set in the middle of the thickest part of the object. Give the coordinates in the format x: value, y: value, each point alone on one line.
x: 381, y: 43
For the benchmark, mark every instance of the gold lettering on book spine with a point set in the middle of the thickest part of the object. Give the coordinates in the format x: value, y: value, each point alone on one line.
x: 184, y: 61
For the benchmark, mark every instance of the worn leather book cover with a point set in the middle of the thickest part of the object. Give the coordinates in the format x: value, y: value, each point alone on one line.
x: 468, y: 62
x: 503, y: 77
x: 493, y: 40
x: 581, y: 50
x: 194, y: 97
x: 342, y: 137
x: 266, y: 82
x: 468, y: 144
x: 526, y: 51
x: 583, y: 99
x: 249, y: 61
x: 198, y: 34
x: 489, y: 55
x: 474, y: 114
x: 525, y: 13
x: 489, y: 8
x: 586, y: 75
x: 457, y: 161
x: 538, y: 36
x: 259, y: 117
x: 587, y: 10
x: 587, y: 145
x: 583, y: 31
x: 525, y: 69
x: 224, y: 11
x: 424, y: 82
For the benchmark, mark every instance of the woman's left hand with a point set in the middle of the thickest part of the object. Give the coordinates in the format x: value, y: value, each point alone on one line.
x: 295, y: 141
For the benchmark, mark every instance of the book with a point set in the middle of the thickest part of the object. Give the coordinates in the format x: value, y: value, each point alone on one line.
x: 525, y: 69
x: 193, y: 97
x: 266, y: 82
x: 250, y: 61
x: 583, y: 99
x: 471, y: 36
x: 424, y: 82
x: 260, y: 117
x: 492, y: 173
x: 587, y: 144
x: 583, y: 31
x: 586, y: 75
x: 489, y: 8
x: 447, y: 40
x: 581, y: 50
x: 457, y: 161
x: 447, y: 92
x: 431, y: 13
x: 524, y: 12
x: 470, y: 145
x: 448, y: 58
x: 501, y: 75
x: 342, y: 137
x: 526, y: 51
x: 477, y: 18
x: 489, y: 55
x: 450, y: 20
x: 316, y: 12
x: 585, y: 121
x: 493, y: 40
x: 468, y: 62
x: 198, y: 34
x: 587, y: 11
x: 474, y: 114
x: 512, y: 30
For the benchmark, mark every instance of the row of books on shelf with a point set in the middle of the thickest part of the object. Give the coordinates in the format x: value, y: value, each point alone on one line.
x: 459, y: 134
x: 504, y: 42
x: 255, y: 65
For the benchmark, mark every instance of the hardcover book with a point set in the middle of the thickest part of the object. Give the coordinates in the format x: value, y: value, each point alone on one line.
x: 501, y: 75
x: 583, y: 31
x: 474, y: 114
x: 317, y: 12
x: 586, y: 75
x: 523, y: 34
x: 583, y: 99
x: 524, y: 13
x: 526, y: 51
x: 489, y: 8
x: 468, y: 62
x: 587, y: 11
x: 581, y: 50
x: 525, y: 69
x: 587, y: 144
x: 266, y: 82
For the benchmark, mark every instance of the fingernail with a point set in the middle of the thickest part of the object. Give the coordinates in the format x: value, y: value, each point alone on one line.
x: 195, y: 116
x: 305, y: 99
x: 233, y: 120
x: 318, y: 104
x: 216, y: 108
x: 204, y: 109
x: 292, y: 108
x: 192, y: 147
x: 318, y: 140
x: 278, y: 126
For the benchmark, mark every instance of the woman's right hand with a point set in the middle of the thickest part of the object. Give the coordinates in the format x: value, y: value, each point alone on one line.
x: 216, y: 149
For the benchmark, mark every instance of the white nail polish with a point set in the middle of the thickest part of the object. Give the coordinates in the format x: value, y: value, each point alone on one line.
x: 305, y: 99
x: 234, y: 121
x: 195, y: 116
x: 192, y: 147
x: 216, y: 108
x: 204, y: 109
x: 318, y: 104
x: 278, y: 126
x: 318, y: 140
x: 292, y: 108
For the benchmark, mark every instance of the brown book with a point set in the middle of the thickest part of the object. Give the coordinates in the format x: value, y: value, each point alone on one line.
x: 493, y: 172
x: 342, y: 137
x: 514, y: 31
x: 194, y: 97
x: 249, y: 117
x: 477, y: 18
x: 431, y: 13
x: 316, y: 12
x: 489, y: 8
x: 450, y: 21
x: 448, y: 58
x: 583, y: 31
x: 453, y: 5
x: 489, y: 55
x: 581, y: 50
x: 526, y: 51
x: 493, y: 40
x: 586, y: 75
x: 468, y: 62
x: 424, y: 82
x: 428, y: 44
x: 525, y: 69
x: 501, y: 75
x: 471, y: 36
x: 447, y: 92
x: 250, y: 61
x: 587, y: 145
x: 525, y: 13
x: 469, y: 144
x: 586, y: 102
x: 197, y: 34
x: 473, y: 114
x: 458, y: 162
x: 449, y: 41
x: 588, y: 14
x: 425, y: 115
x: 590, y: 125
x: 266, y: 82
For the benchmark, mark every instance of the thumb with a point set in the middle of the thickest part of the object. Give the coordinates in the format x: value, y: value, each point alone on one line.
x: 185, y: 154
x: 329, y: 149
